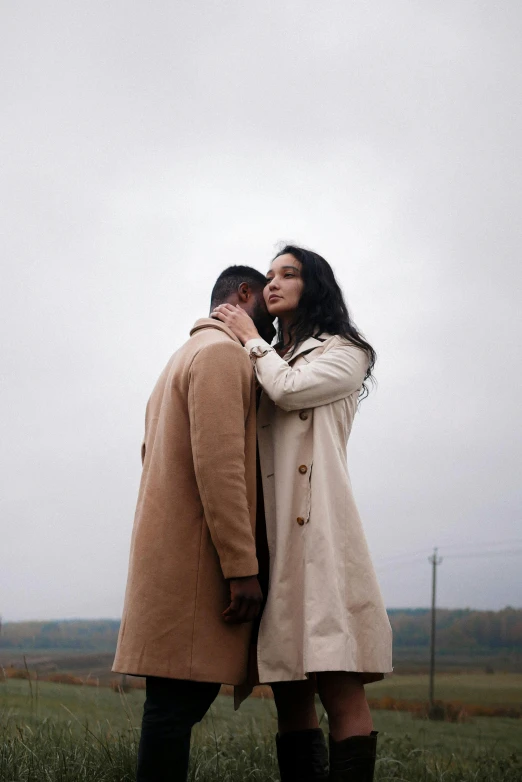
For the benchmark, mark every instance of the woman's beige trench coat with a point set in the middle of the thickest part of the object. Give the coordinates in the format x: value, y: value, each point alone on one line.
x: 324, y: 610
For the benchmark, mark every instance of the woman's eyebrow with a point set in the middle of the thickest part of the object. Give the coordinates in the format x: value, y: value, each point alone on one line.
x: 293, y: 268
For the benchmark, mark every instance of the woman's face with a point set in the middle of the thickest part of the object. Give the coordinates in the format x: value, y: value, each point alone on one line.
x: 284, y: 285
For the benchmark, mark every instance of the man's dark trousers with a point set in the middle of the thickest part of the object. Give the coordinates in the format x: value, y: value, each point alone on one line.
x: 172, y: 707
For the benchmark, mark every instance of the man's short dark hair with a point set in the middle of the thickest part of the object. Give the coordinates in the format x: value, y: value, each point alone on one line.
x: 229, y: 281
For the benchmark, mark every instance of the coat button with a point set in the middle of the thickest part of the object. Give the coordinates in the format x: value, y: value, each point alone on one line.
x: 303, y: 416
x: 303, y: 468
x: 300, y: 520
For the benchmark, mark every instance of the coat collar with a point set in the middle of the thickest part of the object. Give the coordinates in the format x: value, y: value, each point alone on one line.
x: 309, y: 344
x: 212, y: 323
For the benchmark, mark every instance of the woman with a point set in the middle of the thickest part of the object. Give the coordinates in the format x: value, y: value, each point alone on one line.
x: 324, y: 627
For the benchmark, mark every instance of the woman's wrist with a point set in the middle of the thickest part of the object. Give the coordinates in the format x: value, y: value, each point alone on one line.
x: 255, y: 342
x: 257, y: 348
x: 249, y: 334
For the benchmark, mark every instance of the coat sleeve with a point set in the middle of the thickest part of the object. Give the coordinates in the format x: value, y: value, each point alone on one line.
x: 220, y: 387
x: 334, y: 375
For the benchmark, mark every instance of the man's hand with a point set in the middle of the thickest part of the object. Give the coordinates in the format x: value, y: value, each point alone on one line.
x: 246, y: 599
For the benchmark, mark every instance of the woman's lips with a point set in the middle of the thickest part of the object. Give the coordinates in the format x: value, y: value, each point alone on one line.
x: 273, y: 297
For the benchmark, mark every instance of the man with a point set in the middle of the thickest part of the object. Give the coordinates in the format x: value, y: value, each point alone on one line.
x: 192, y: 589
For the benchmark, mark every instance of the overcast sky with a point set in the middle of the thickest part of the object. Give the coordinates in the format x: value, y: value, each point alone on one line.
x: 146, y: 146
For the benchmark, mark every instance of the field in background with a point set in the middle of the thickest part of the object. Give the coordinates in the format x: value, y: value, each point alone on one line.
x: 66, y: 732
x: 100, y: 705
x: 474, y: 694
x: 52, y: 732
x: 499, y: 689
x: 466, y: 640
x: 495, y: 689
x: 97, y: 664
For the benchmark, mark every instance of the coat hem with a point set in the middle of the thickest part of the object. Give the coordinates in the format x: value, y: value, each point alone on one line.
x: 167, y: 673
x: 367, y: 676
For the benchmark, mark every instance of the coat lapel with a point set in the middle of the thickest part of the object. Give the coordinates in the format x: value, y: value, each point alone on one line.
x: 309, y: 344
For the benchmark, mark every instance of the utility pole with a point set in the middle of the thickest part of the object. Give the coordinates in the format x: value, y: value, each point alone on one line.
x: 435, y: 560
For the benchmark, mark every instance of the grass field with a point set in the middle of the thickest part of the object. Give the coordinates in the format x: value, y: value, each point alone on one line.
x: 61, y: 733
x: 498, y: 689
x: 97, y: 664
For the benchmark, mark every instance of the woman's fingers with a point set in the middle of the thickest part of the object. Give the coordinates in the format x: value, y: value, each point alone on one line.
x: 237, y: 321
x: 227, y: 314
x: 227, y: 310
x: 225, y: 307
x: 223, y: 312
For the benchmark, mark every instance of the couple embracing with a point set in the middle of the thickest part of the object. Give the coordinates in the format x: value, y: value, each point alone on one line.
x: 248, y: 559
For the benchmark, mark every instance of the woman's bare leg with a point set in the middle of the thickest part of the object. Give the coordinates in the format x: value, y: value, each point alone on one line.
x: 343, y: 697
x: 295, y: 704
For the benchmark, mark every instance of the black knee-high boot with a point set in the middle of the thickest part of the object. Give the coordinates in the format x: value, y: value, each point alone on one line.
x: 353, y: 759
x: 302, y: 756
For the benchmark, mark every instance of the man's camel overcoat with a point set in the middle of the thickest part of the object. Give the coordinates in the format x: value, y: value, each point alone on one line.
x: 324, y: 611
x: 195, y: 518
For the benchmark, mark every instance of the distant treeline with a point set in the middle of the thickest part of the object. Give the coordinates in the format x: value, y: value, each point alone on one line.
x: 96, y: 635
x: 460, y: 630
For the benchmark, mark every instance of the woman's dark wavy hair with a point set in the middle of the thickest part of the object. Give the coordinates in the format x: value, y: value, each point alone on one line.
x: 322, y: 308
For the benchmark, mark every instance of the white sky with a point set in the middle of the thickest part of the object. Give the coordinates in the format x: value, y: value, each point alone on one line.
x: 146, y: 146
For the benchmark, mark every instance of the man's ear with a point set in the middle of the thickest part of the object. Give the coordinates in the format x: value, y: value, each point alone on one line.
x: 243, y: 292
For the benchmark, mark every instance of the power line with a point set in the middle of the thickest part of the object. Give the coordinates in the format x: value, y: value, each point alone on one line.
x: 406, y: 554
x: 475, y: 554
x: 411, y: 556
x: 484, y: 544
x: 396, y: 565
